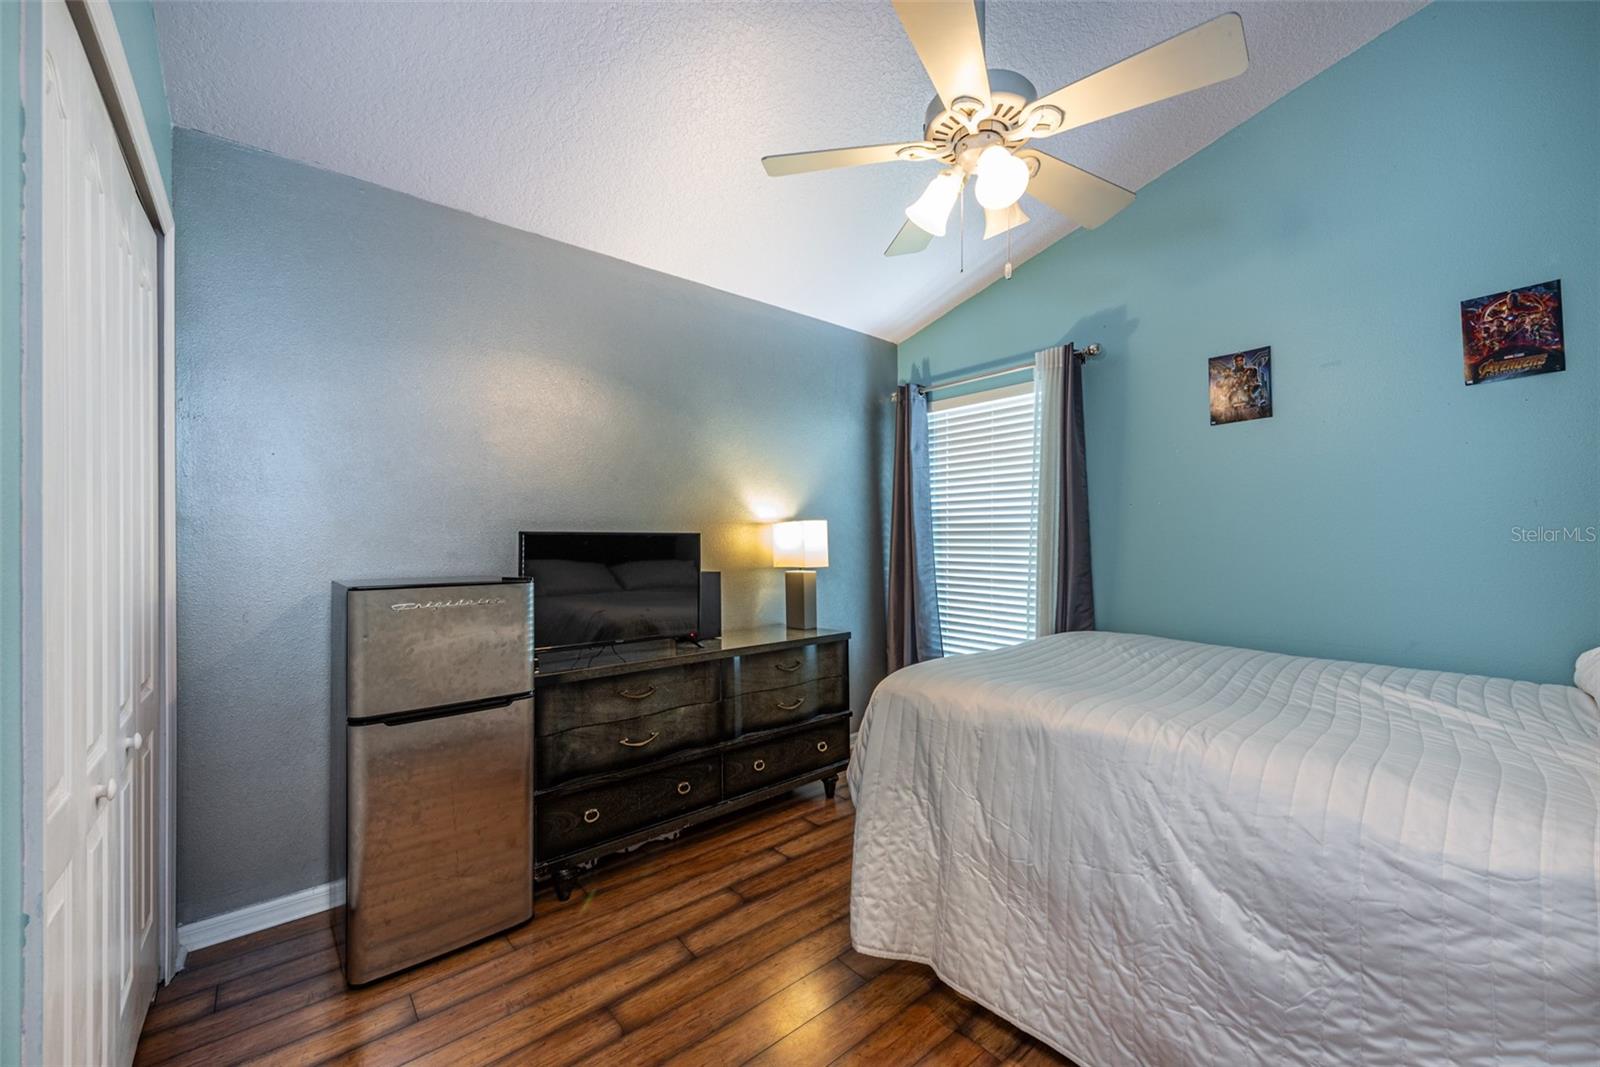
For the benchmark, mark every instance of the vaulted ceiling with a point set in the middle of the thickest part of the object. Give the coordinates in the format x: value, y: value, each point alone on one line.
x: 636, y: 129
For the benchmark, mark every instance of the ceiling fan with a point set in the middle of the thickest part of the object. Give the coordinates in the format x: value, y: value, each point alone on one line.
x: 981, y: 120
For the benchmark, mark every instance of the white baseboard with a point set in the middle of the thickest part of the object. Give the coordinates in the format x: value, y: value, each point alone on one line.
x: 262, y: 916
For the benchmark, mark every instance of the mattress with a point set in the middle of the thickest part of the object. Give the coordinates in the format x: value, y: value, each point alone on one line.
x: 1148, y: 851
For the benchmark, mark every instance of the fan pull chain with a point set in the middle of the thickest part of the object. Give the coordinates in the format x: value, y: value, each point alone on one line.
x: 963, y: 228
x: 1008, y: 244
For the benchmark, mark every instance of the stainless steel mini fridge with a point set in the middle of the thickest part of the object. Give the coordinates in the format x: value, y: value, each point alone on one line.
x: 432, y: 693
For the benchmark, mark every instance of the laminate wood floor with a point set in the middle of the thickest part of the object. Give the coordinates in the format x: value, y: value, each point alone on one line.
x: 730, y: 945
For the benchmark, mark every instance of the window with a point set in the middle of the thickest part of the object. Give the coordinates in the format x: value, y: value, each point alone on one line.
x: 982, y: 461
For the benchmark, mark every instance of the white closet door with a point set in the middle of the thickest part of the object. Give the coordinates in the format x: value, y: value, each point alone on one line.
x: 99, y: 497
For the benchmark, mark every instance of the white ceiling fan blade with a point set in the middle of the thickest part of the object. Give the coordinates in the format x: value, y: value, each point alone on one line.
x: 911, y: 238
x: 829, y: 158
x: 998, y: 222
x: 1077, y: 194
x: 949, y: 42
x: 1211, y: 52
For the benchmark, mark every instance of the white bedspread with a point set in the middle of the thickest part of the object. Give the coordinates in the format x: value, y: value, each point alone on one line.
x: 1155, y: 852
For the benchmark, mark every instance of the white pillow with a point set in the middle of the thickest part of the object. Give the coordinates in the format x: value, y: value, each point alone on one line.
x: 1586, y: 675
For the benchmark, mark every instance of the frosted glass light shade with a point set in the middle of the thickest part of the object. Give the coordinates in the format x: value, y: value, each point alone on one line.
x: 932, y: 210
x: 802, y: 543
x: 1002, y: 178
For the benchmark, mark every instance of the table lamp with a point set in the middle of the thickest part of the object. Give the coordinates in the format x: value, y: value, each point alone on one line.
x: 802, y: 546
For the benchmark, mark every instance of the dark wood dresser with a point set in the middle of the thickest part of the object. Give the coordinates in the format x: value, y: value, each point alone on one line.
x: 632, y: 745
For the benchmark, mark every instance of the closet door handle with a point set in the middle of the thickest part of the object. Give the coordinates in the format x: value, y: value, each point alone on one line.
x: 788, y: 668
x: 628, y: 694
x: 631, y: 743
x: 790, y: 707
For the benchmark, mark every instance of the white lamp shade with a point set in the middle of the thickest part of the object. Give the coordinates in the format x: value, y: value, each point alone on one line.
x: 1006, y: 219
x: 932, y: 209
x: 1002, y: 178
x: 802, y: 543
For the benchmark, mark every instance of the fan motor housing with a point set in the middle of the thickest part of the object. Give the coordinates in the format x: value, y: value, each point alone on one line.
x: 969, y: 146
x: 1009, y: 96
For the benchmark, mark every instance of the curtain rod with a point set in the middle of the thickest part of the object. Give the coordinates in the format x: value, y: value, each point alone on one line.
x: 1084, y: 354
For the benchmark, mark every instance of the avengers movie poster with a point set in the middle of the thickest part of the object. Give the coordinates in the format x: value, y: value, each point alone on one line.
x: 1513, y: 334
x: 1241, y: 386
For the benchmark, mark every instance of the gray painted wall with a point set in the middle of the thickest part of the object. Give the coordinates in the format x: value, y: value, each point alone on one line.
x: 370, y: 384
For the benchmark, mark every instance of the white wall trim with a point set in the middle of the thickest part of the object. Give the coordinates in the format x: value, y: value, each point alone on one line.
x: 262, y: 916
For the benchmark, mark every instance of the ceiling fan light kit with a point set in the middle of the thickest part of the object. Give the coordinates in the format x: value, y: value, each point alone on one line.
x: 981, y: 118
x: 1002, y: 178
x: 931, y: 212
x: 1003, y: 220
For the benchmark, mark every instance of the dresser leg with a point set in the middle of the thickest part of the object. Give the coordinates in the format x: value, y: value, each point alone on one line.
x: 562, y: 884
x: 829, y: 784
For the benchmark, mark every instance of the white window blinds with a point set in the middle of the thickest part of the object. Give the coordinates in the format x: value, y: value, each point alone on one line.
x: 984, y: 474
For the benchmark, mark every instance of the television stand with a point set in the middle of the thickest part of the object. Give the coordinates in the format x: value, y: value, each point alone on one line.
x: 641, y: 743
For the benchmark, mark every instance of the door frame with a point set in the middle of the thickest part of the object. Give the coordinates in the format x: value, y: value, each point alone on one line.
x: 102, y: 44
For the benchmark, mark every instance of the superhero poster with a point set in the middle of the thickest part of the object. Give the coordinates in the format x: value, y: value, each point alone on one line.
x: 1241, y: 386
x: 1513, y: 334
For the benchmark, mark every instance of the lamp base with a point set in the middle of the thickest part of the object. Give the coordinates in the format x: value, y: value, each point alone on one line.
x: 800, y: 589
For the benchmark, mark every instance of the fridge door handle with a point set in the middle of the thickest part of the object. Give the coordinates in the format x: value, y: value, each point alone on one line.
x: 409, y: 717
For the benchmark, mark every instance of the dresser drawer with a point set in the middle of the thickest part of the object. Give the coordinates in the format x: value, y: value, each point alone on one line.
x: 777, y: 670
x: 612, y: 746
x: 794, y: 703
x: 763, y: 763
x: 571, y: 821
x: 558, y: 708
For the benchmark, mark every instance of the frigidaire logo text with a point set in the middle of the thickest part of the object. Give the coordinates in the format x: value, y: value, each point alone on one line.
x: 435, y: 605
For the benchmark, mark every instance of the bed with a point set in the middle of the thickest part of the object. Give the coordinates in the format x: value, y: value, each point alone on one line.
x: 1147, y: 851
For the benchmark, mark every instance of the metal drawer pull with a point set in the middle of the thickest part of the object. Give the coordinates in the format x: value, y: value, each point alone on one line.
x: 592, y: 815
x: 649, y: 690
x: 790, y: 707
x: 631, y: 743
x: 759, y: 765
x: 788, y: 668
x: 683, y: 789
x: 822, y: 746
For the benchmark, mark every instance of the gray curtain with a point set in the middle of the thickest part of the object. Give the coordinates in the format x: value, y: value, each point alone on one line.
x: 913, y: 603
x: 1075, y: 597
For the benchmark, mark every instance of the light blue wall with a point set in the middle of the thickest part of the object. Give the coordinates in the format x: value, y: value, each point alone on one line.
x: 1371, y: 518
x: 19, y: 149
x: 369, y: 384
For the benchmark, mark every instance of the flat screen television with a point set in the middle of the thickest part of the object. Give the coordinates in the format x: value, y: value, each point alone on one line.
x: 607, y: 588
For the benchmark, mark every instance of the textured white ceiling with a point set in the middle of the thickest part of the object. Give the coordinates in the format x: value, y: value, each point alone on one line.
x: 636, y: 129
